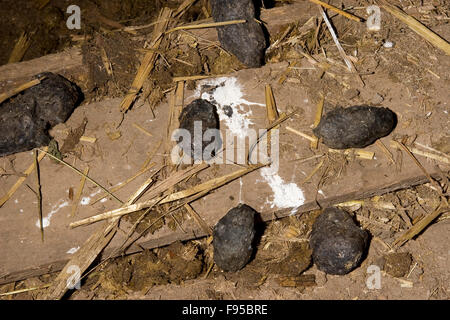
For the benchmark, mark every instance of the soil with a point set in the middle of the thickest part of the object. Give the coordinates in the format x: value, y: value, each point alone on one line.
x: 413, y: 74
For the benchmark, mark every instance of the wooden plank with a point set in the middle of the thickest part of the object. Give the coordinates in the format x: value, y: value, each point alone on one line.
x: 21, y: 255
x: 68, y: 62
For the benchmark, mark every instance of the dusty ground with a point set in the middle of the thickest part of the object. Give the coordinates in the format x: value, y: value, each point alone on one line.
x: 281, y: 268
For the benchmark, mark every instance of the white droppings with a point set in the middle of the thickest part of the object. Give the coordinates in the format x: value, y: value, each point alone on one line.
x: 104, y: 200
x: 285, y: 195
x: 321, y: 192
x: 55, y: 209
x: 228, y: 93
x: 16, y: 201
x: 73, y: 250
x: 85, y: 201
x: 21, y: 210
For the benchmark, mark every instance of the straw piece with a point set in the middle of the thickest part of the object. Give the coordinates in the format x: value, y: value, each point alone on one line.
x: 22, y: 45
x: 347, y: 61
x: 39, y: 193
x: 283, y: 117
x: 21, y: 180
x: 432, y: 149
x: 106, y: 62
x: 271, y: 107
x: 206, y: 25
x: 123, y: 184
x: 151, y: 155
x: 157, y: 190
x: 363, y: 154
x: 272, y: 112
x: 199, y: 77
x: 301, y: 134
x: 313, y: 172
x: 207, y: 229
x: 284, y: 75
x: 23, y: 290
x: 41, y: 3
x: 142, y: 129
x: 183, y: 7
x: 203, y: 187
x: 176, y: 105
x: 385, y: 150
x: 210, y: 184
x: 319, y: 111
x: 419, y: 226
x: 339, y: 11
x: 148, y: 61
x: 432, y: 181
x: 417, y: 27
x: 88, y: 139
x: 419, y: 152
x: 79, y: 192
x: 317, y: 118
x: 22, y: 87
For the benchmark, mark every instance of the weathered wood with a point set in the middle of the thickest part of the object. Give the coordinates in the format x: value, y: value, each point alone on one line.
x: 67, y: 62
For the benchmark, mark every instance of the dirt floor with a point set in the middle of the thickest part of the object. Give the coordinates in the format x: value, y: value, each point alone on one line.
x: 400, y: 70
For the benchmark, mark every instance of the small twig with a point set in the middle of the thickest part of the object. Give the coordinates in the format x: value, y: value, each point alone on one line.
x: 198, y: 189
x: 421, y: 225
x: 280, y: 120
x: 123, y: 184
x: 347, y: 61
x: 19, y: 182
x: 24, y: 290
x: 301, y: 134
x: 432, y: 181
x: 142, y: 129
x: 82, y: 174
x: 339, y: 11
x: 313, y: 172
x: 207, y: 229
x: 385, y: 150
x: 199, y: 77
x: 442, y: 158
x: 79, y: 192
x: 317, y: 118
x: 432, y: 149
x: 418, y: 27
